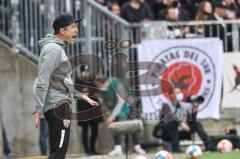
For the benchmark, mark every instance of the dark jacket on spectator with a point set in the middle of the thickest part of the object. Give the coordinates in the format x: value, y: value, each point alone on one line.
x: 219, y: 30
x: 183, y: 15
x: 156, y: 7
x: 214, y: 30
x: 136, y: 15
x: 191, y: 6
x: 88, y: 113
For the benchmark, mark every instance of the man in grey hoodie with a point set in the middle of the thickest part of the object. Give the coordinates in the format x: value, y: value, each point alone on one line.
x: 55, y: 103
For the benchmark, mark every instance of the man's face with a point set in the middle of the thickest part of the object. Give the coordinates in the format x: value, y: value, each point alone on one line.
x: 116, y: 10
x: 177, y: 95
x: 102, y: 86
x: 69, y: 33
x: 98, y: 84
x: 221, y: 12
x: 176, y: 92
x: 105, y: 85
x: 173, y: 14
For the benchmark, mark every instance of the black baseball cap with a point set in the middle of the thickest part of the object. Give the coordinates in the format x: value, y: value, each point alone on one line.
x: 64, y: 20
x: 219, y: 4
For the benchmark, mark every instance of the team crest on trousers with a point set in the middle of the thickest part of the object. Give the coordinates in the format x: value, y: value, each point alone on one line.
x: 66, y: 123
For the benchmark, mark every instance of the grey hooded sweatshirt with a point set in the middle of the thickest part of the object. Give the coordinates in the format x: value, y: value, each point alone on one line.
x: 51, y: 56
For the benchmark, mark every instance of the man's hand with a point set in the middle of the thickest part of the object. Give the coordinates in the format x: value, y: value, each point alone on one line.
x: 37, y: 116
x: 185, y: 127
x: 109, y: 121
x: 89, y: 100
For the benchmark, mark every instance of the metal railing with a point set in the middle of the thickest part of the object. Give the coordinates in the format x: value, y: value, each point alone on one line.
x: 227, y: 31
x: 24, y: 22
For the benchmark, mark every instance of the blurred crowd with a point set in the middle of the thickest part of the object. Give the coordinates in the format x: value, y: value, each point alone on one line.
x: 136, y: 11
x: 171, y: 10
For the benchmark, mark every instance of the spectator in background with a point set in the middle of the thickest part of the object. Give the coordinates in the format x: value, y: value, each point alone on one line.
x: 113, y: 24
x: 44, y: 136
x: 174, y: 13
x: 178, y: 120
x: 205, y: 9
x: 136, y: 11
x: 191, y: 6
x: 115, y: 8
x: 238, y: 5
x: 7, y: 151
x: 6, y: 147
x: 218, y: 15
x: 231, y: 9
x: 83, y: 82
x: 123, y: 109
x: 158, y: 5
x: 219, y: 30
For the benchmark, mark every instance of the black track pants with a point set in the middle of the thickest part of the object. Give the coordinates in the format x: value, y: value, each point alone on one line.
x: 59, y: 129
